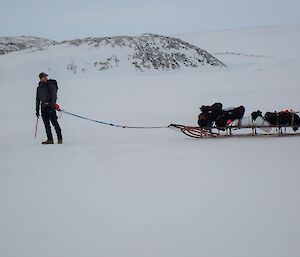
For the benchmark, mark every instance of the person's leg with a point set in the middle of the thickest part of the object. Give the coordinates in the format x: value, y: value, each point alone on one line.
x: 46, y: 119
x: 53, y: 118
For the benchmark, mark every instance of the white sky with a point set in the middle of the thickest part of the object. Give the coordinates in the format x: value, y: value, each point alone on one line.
x: 67, y: 19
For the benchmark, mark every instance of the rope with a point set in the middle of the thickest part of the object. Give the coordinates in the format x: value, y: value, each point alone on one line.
x: 111, y: 124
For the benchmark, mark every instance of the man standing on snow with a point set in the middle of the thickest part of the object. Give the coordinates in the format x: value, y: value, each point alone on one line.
x: 46, y: 95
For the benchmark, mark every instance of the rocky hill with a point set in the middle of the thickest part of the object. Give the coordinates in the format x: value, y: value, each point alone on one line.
x: 12, y: 44
x: 145, y: 52
x: 152, y: 51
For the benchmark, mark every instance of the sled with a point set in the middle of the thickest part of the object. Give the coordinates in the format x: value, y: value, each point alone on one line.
x: 229, y: 131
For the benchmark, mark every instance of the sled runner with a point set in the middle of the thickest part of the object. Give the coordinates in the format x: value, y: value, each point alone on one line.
x: 228, y: 131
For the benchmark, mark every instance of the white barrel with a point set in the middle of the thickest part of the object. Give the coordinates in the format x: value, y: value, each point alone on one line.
x: 261, y: 123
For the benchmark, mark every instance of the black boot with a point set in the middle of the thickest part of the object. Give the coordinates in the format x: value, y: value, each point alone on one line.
x: 59, y: 141
x: 48, y: 142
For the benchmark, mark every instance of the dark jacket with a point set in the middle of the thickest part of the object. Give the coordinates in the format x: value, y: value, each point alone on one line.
x: 46, y: 93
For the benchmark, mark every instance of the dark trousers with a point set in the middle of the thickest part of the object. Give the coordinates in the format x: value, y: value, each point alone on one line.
x: 49, y: 114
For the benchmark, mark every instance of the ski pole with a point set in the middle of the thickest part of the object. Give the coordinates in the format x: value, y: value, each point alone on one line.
x: 36, y: 127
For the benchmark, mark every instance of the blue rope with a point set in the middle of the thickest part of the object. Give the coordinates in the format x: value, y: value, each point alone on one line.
x: 110, y: 124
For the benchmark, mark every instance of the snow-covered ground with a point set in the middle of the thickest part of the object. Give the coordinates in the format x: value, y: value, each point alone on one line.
x: 153, y: 193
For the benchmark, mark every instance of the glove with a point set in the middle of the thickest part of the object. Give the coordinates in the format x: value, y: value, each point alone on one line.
x: 55, y: 107
x: 37, y: 114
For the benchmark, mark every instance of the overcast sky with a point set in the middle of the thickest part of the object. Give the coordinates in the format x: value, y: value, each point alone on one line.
x: 65, y: 19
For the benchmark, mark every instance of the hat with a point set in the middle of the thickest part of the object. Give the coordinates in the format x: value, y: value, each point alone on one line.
x: 42, y: 74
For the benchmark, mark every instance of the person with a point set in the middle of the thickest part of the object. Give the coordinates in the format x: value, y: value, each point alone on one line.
x: 46, y: 95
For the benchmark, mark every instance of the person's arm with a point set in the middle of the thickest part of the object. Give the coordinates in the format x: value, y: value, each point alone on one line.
x: 37, y: 103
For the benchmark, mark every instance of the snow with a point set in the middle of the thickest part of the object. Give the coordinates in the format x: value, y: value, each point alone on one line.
x: 119, y: 192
